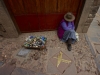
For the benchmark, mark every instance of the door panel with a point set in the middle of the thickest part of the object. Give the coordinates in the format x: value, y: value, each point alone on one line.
x: 30, y: 6
x: 51, y: 6
x: 16, y: 6
x: 33, y: 21
x: 23, y: 23
x: 40, y: 5
x: 53, y: 20
x: 39, y: 15
x: 42, y: 22
x: 68, y: 6
x: 74, y: 5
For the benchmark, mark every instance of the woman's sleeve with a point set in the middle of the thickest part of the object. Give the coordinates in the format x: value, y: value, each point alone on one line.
x: 64, y: 26
x: 73, y: 25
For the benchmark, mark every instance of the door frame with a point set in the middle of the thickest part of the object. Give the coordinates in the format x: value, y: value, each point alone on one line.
x: 79, y: 11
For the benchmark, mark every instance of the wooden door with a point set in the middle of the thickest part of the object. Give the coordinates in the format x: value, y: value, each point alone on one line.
x: 40, y: 15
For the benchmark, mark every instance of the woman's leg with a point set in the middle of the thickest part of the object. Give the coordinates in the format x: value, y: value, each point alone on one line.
x: 69, y: 42
x: 69, y: 37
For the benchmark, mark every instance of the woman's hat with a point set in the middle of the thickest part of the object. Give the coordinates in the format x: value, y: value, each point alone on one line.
x: 69, y: 17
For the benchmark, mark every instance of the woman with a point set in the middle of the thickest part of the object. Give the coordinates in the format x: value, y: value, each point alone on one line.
x: 66, y: 30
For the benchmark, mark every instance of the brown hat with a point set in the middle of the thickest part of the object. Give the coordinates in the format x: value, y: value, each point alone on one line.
x: 69, y: 17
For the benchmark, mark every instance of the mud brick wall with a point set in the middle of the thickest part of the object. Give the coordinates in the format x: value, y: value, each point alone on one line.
x: 90, y: 9
x: 94, y: 8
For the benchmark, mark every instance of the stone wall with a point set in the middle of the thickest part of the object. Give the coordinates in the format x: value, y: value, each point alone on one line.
x: 7, y: 27
x: 89, y: 11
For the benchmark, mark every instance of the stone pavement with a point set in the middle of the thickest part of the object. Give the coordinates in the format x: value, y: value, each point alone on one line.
x: 94, y: 38
x: 56, y: 65
x: 54, y: 60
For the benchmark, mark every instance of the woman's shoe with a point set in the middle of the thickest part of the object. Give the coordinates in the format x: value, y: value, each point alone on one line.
x: 69, y: 47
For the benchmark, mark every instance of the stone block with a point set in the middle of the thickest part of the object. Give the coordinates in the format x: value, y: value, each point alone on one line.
x: 95, y: 39
x: 63, y: 64
x: 87, y: 24
x: 94, y: 9
x: 90, y: 45
x: 97, y: 47
x: 84, y: 15
x: 53, y: 69
x: 7, y: 69
x: 40, y: 74
x: 85, y: 73
x: 85, y: 29
x: 98, y: 2
x: 4, y: 34
x: 98, y: 34
x: 95, y: 3
x: 12, y: 34
x: 89, y: 20
x: 23, y: 52
x: 21, y: 71
x: 97, y: 60
x: 91, y: 16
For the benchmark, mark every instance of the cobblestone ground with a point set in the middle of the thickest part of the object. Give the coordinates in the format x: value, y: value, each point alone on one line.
x: 84, y: 60
x: 35, y: 60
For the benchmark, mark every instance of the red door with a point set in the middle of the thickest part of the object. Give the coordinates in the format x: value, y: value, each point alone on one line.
x: 40, y: 15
